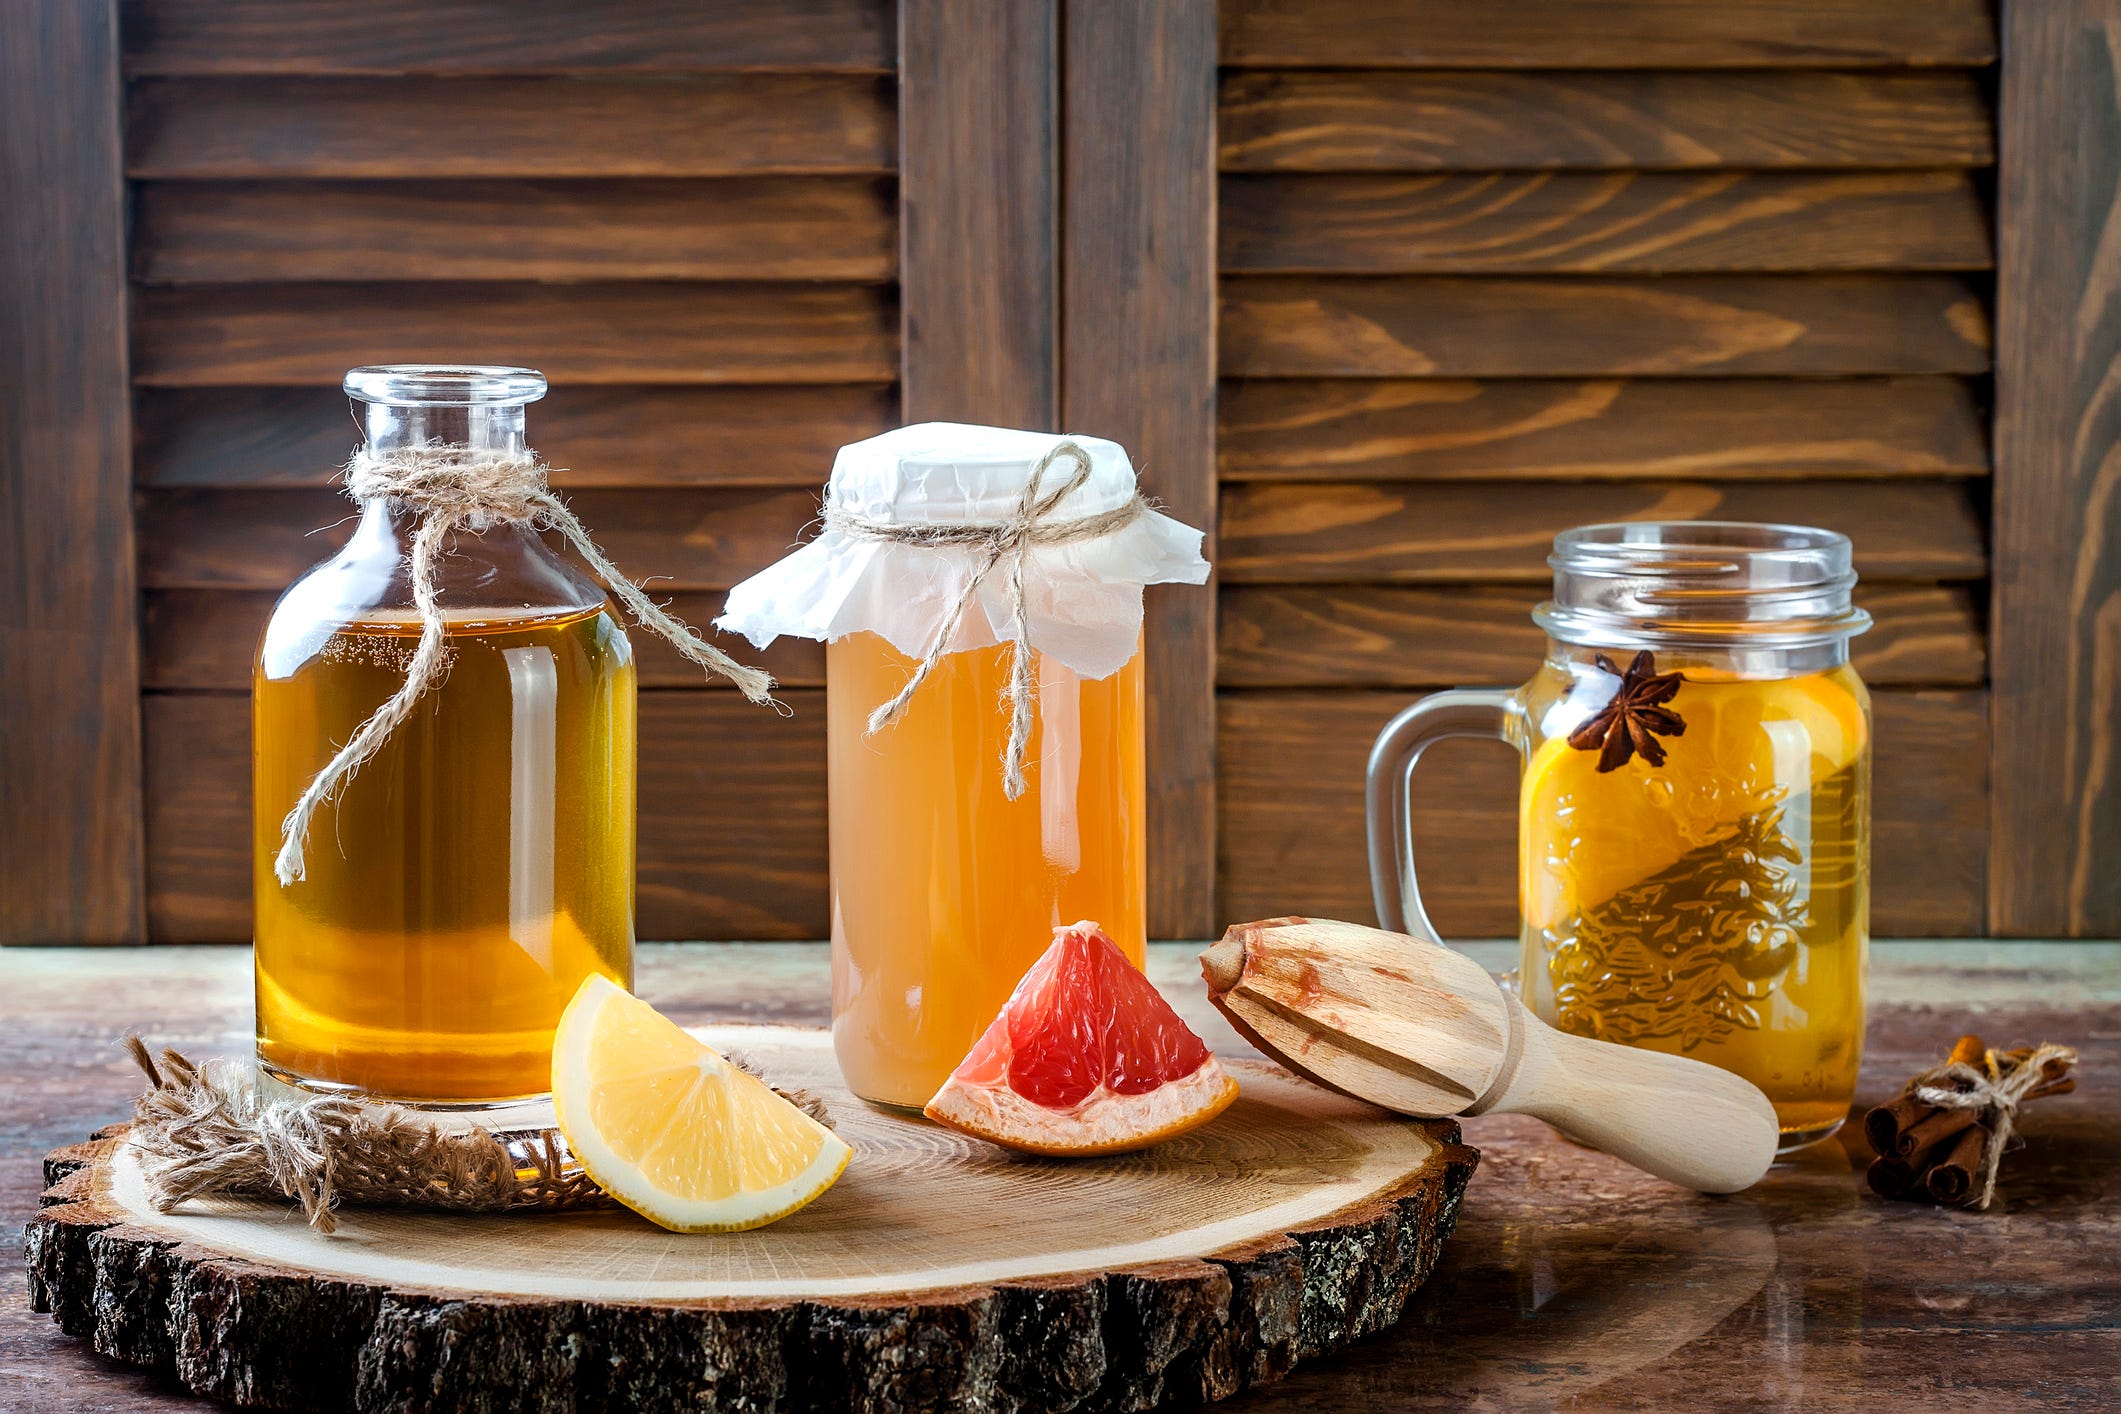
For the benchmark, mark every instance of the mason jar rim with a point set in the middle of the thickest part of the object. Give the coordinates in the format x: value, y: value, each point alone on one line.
x: 1701, y: 584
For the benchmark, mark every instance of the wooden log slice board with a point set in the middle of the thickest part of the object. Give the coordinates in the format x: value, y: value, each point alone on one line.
x: 940, y: 1273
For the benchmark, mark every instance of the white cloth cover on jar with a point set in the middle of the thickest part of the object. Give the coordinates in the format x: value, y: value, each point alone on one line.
x: 1083, y: 599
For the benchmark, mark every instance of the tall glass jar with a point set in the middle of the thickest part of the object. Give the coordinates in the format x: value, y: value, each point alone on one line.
x: 947, y: 879
x: 464, y: 880
x: 1694, y: 813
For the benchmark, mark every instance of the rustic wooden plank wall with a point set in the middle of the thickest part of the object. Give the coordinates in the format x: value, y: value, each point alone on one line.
x: 1138, y: 306
x: 1478, y: 273
x: 1491, y: 271
x: 687, y: 215
x: 980, y: 226
x: 2057, y: 814
x: 69, y: 660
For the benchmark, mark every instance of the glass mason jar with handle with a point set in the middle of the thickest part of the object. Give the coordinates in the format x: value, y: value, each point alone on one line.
x: 455, y: 888
x: 1694, y: 810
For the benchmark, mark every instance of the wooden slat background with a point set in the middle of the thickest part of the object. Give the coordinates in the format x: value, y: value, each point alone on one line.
x: 699, y: 126
x: 1439, y: 429
x: 1490, y: 271
x: 70, y: 825
x: 1297, y: 121
x: 2057, y: 808
x: 1480, y: 273
x: 1138, y: 297
x: 1604, y: 34
x: 250, y: 37
x: 687, y: 215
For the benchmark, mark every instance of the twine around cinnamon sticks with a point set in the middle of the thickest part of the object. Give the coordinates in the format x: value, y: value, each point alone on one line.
x: 1943, y: 1137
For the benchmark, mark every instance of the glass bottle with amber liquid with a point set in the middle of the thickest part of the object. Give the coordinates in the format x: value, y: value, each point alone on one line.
x: 462, y: 881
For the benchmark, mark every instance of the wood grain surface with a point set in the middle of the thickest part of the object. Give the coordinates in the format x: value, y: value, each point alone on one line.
x: 673, y: 539
x: 69, y: 669
x: 503, y: 36
x: 2057, y: 767
x: 737, y: 228
x: 1138, y: 327
x: 1293, y: 834
x: 1407, y: 533
x: 1468, y: 326
x: 689, y: 126
x: 625, y: 333
x: 1626, y: 34
x: 1297, y: 1222
x: 1413, y: 122
x: 746, y: 435
x: 979, y: 113
x: 206, y: 640
x: 1651, y: 1295
x: 1434, y: 429
x: 1340, y: 635
x: 710, y: 858
x: 1581, y: 222
x: 198, y: 816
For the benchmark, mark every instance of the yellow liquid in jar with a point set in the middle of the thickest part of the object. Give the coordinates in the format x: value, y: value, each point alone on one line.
x: 468, y: 877
x: 944, y: 891
x: 1716, y: 906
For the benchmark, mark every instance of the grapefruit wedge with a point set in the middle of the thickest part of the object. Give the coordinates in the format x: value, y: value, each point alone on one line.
x: 1086, y: 1058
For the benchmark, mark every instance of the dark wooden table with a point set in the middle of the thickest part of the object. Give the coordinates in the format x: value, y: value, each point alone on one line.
x: 1572, y: 1281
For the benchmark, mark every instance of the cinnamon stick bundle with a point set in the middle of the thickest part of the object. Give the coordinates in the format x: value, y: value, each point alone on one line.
x: 1941, y: 1139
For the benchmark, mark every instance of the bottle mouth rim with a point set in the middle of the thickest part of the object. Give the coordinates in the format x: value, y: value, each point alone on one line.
x: 1701, y: 584
x: 444, y: 384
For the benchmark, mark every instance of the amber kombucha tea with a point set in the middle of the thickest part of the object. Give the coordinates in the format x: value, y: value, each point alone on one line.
x: 1716, y: 907
x: 468, y: 877
x: 944, y: 891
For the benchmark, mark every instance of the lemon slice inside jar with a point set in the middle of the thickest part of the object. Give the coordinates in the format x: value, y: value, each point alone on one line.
x: 1748, y: 746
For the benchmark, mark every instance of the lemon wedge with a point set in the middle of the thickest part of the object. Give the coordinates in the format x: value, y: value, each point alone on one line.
x: 668, y: 1127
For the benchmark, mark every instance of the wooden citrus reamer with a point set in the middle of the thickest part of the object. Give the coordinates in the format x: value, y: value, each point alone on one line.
x: 1423, y: 1030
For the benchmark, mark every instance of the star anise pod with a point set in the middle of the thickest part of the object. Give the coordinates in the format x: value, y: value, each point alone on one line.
x: 1634, y: 718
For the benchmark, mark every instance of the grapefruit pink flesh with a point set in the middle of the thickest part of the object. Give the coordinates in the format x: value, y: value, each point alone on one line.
x: 1086, y: 1057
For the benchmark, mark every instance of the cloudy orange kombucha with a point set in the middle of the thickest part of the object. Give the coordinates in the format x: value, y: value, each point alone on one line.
x: 944, y: 891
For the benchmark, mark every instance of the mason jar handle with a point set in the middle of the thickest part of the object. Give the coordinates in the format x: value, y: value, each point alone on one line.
x: 1465, y: 712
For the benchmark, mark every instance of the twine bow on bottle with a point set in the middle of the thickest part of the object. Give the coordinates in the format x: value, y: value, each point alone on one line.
x: 451, y: 490
x: 1031, y: 524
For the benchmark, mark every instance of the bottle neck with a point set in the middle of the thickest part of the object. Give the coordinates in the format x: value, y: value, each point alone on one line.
x: 492, y: 428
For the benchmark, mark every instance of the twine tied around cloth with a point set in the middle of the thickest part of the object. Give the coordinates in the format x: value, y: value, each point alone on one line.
x: 452, y: 488
x: 1031, y: 524
x: 1957, y: 1085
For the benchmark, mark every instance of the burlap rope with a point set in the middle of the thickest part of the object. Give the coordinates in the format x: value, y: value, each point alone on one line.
x: 451, y: 490
x: 1030, y: 525
x: 206, y: 1131
x: 1964, y: 1087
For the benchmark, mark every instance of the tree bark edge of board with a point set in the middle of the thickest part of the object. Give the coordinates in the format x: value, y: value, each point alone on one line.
x: 1181, y: 1332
